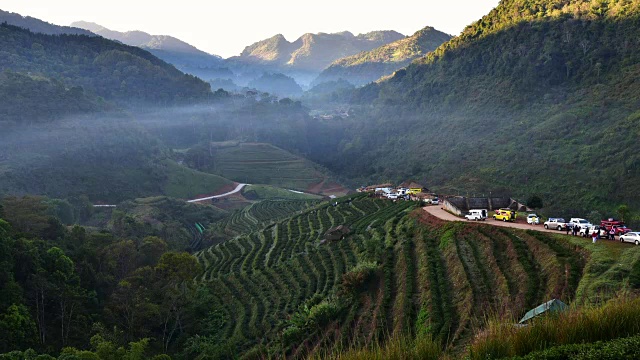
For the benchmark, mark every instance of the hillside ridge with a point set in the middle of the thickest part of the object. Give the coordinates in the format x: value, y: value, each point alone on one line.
x: 368, y: 66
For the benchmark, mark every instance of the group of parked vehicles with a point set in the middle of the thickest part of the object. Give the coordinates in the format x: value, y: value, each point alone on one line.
x: 609, y: 228
x: 585, y: 227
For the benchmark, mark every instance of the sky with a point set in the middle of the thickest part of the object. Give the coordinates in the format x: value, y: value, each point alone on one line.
x: 225, y: 27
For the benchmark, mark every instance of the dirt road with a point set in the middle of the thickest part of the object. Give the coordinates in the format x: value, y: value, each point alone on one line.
x: 238, y: 188
x: 438, y: 212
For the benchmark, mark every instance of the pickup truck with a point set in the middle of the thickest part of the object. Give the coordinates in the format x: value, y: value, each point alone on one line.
x: 586, y: 232
x: 555, y: 223
x: 580, y: 223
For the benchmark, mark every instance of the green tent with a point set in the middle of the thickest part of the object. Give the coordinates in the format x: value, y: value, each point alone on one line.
x: 550, y: 306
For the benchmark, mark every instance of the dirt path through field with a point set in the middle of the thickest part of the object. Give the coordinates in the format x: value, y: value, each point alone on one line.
x: 440, y: 213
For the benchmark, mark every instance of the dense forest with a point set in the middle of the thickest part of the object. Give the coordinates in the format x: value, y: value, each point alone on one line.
x: 102, y: 67
x: 80, y: 288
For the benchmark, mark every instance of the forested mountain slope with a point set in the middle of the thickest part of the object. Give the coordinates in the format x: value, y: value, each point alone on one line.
x: 102, y: 67
x: 536, y: 97
x: 30, y: 99
x: 369, y: 66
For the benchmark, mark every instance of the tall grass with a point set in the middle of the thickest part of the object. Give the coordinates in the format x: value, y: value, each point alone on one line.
x: 620, y: 317
x: 396, y: 348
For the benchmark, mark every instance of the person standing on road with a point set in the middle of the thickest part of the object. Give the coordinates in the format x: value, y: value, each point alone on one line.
x: 612, y: 233
x: 567, y: 229
x: 575, y: 230
x: 594, y: 237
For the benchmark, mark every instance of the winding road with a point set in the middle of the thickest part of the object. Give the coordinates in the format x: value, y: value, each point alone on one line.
x: 238, y: 188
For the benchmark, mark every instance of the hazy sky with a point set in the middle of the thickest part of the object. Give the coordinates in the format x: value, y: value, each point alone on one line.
x: 226, y: 27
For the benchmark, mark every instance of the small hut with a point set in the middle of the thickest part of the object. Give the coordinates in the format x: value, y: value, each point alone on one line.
x: 550, y: 306
x: 336, y: 233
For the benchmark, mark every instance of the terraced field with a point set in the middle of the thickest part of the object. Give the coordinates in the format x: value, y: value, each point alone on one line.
x: 257, y: 163
x: 260, y: 214
x: 286, y: 293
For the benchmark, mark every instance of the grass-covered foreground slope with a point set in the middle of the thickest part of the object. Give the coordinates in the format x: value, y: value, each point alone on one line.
x: 256, y: 163
x: 536, y: 97
x: 399, y: 274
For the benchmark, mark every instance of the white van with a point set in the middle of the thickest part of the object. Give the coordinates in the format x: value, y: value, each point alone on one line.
x: 477, y: 214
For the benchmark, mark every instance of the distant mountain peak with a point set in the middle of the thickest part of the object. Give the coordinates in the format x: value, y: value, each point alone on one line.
x: 313, y: 51
x: 91, y: 26
x: 346, y: 34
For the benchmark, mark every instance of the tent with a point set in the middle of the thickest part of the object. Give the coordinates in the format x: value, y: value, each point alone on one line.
x: 550, y: 306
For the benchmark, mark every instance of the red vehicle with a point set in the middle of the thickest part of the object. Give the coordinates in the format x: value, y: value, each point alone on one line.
x: 618, y: 225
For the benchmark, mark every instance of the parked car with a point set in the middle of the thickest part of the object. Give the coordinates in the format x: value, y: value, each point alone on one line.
x: 580, y: 223
x: 477, y: 214
x: 533, y: 219
x: 505, y: 215
x: 586, y: 232
x: 618, y: 225
x: 632, y: 237
x: 555, y: 223
x: 434, y: 201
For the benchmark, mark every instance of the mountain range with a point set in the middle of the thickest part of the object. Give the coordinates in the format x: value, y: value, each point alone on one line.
x: 313, y: 52
x: 304, y: 58
x: 368, y: 66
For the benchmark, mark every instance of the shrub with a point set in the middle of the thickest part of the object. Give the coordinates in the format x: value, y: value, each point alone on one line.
x: 354, y: 280
x: 323, y: 313
x: 634, y: 276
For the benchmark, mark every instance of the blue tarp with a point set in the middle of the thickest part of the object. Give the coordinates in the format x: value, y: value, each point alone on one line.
x: 550, y: 306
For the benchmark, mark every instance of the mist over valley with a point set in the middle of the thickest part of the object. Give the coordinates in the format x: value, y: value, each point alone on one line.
x: 341, y: 195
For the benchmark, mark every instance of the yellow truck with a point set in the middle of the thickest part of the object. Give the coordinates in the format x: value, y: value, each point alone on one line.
x: 505, y: 215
